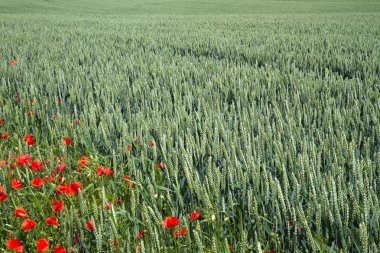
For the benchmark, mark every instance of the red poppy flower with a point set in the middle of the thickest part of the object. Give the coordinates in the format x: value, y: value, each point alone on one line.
x: 51, y: 221
x: 194, y: 215
x: 61, y: 167
x: 170, y: 222
x: 59, y: 249
x: 4, y: 135
x: 20, y: 212
x: 67, y: 141
x: 57, y: 206
x: 129, y: 147
x: 61, y: 189
x: 42, y: 245
x: 74, y: 187
x: 269, y: 251
x: 69, y: 189
x: 3, y: 196
x: 182, y: 232
x: 108, y: 171
x: 12, y: 62
x: 140, y: 234
x: 29, y: 114
x: 151, y: 143
x: 82, y: 162
x: 37, y: 182
x: 106, y: 206
x: 16, y: 184
x: 35, y: 165
x: 54, y: 116
x: 89, y: 226
x: 23, y: 159
x: 14, y: 244
x: 28, y: 224
x: 100, y: 171
x: 29, y: 139
x: 161, y: 166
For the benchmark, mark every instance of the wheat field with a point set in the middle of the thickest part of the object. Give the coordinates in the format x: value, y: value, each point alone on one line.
x: 189, y: 126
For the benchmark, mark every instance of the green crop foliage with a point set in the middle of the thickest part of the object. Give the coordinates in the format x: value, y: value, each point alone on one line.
x: 262, y: 116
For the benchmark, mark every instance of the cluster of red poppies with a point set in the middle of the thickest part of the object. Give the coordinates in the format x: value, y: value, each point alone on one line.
x: 27, y: 224
x: 42, y: 245
x: 70, y: 189
x: 170, y: 222
x: 57, y: 206
x: 34, y: 165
